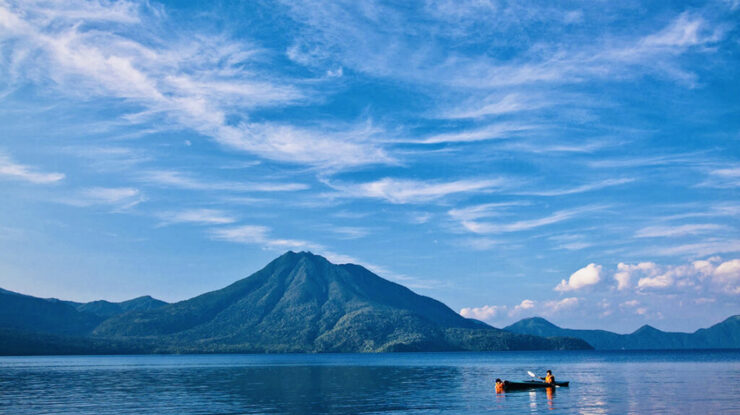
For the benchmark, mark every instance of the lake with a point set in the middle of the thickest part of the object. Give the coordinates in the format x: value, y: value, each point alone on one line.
x: 621, y: 382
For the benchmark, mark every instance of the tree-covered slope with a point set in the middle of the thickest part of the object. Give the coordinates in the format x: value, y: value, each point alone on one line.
x: 301, y: 302
x: 108, y: 309
x: 32, y: 314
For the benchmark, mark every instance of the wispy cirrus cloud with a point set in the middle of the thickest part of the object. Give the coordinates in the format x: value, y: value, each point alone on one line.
x: 118, y: 198
x: 484, y: 210
x: 180, y: 180
x: 495, y: 104
x: 196, y: 216
x: 490, y: 132
x: 680, y: 230
x: 13, y: 170
x: 579, y: 189
x: 524, y: 225
x: 723, y: 178
x: 403, y: 191
x: 341, y: 34
x: 709, y: 246
x: 259, y: 235
x: 191, y: 80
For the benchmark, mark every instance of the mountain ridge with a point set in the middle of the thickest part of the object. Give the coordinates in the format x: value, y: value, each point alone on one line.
x: 299, y: 302
x: 725, y: 334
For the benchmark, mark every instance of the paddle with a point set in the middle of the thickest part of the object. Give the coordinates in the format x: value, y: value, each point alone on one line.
x: 532, y: 374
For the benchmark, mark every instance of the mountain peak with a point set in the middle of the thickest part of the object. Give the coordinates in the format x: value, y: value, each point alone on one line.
x: 645, y: 329
x: 534, y: 322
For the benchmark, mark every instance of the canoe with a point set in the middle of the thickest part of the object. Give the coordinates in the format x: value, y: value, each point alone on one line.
x: 531, y: 384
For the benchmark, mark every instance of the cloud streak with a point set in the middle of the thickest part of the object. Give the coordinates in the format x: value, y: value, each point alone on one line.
x: 193, y: 80
x: 22, y: 172
x: 406, y: 191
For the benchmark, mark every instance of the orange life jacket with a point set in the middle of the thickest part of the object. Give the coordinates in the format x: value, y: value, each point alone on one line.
x: 500, y: 387
x: 549, y: 379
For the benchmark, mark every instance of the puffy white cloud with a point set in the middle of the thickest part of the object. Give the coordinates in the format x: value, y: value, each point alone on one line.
x: 727, y: 276
x: 584, y: 277
x: 559, y: 305
x: 524, y: 305
x: 710, y: 274
x: 625, y: 271
x: 660, y: 281
x: 484, y: 313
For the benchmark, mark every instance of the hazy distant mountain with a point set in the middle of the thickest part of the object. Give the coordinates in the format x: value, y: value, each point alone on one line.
x: 724, y: 335
x: 107, y: 309
x: 301, y: 302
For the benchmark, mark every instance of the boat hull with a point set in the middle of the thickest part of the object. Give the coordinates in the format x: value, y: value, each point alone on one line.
x: 532, y: 384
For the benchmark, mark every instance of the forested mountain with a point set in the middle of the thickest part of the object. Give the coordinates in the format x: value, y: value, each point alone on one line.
x: 300, y: 302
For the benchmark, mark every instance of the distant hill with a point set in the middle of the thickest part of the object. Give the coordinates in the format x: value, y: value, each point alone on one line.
x: 723, y: 335
x: 107, y: 309
x: 32, y: 314
x: 300, y: 302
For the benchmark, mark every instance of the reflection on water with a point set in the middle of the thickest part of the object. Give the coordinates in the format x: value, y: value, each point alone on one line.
x: 601, y: 382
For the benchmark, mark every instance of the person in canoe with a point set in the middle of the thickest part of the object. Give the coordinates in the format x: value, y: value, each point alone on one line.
x: 549, y: 378
x: 499, y: 386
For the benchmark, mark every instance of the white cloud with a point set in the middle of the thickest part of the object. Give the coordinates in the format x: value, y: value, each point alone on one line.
x: 484, y: 313
x: 524, y: 305
x: 495, y: 131
x: 579, y: 189
x: 494, y: 105
x: 659, y: 281
x: 727, y: 276
x: 26, y: 173
x: 199, y: 216
x: 482, y: 211
x: 349, y: 232
x: 189, y: 80
x: 523, y: 225
x: 710, y: 275
x: 402, y: 191
x: 624, y: 273
x: 564, y: 304
x: 584, y: 277
x: 121, y: 198
x: 712, y: 246
x: 260, y: 235
x: 684, y: 31
x: 176, y: 179
x: 723, y: 178
x: 675, y: 231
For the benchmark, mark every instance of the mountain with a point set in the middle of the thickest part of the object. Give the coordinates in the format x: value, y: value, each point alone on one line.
x: 723, y: 335
x: 301, y: 302
x: 32, y: 314
x: 107, y: 309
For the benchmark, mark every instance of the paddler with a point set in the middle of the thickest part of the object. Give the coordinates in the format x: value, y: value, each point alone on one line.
x: 499, y: 386
x: 549, y: 378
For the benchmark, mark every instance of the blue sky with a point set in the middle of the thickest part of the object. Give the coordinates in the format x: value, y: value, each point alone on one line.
x: 575, y: 160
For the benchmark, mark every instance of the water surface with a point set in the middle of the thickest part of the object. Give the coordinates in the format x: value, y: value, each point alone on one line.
x: 414, y: 383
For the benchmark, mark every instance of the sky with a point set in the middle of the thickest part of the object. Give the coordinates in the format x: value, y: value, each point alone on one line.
x: 572, y: 160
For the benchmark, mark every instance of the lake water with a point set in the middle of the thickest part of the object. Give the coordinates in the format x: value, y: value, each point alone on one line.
x: 687, y: 382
